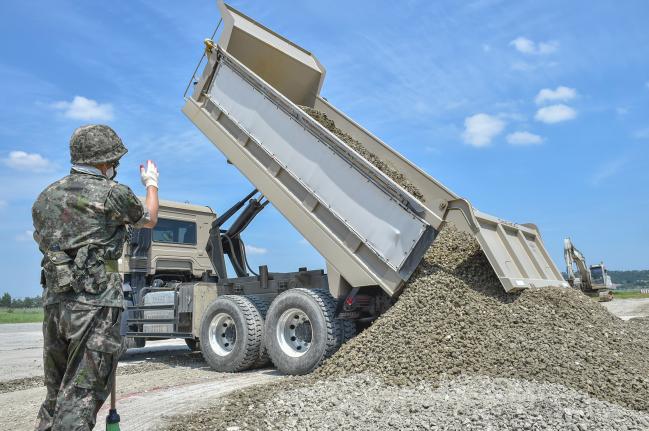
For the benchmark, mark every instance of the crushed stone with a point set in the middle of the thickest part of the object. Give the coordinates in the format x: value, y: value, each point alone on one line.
x: 454, y: 318
x: 463, y: 403
x: 383, y: 166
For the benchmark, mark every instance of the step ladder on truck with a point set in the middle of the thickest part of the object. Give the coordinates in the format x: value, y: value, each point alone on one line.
x: 371, y: 232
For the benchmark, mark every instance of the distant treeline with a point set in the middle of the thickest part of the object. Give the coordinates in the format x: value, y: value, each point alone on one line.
x: 7, y: 301
x: 631, y: 279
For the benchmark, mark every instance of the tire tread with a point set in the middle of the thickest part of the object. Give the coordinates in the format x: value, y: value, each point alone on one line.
x: 254, y: 324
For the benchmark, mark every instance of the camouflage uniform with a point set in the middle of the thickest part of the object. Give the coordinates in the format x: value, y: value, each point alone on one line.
x: 80, y: 228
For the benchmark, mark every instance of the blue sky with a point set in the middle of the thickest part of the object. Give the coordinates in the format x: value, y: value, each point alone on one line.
x: 534, y: 111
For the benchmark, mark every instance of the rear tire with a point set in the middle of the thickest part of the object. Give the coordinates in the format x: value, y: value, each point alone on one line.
x: 348, y: 330
x: 231, y: 334
x: 301, y: 330
x: 262, y: 306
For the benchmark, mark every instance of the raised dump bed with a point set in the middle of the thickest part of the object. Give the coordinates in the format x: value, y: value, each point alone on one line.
x: 370, y: 230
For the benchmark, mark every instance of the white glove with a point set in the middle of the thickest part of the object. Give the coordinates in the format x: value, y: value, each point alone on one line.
x: 149, y: 174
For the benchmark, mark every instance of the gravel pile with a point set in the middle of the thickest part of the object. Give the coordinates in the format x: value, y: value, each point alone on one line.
x: 465, y: 403
x: 384, y: 167
x: 454, y: 318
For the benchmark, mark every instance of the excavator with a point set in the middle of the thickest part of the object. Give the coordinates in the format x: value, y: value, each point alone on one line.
x: 593, y: 281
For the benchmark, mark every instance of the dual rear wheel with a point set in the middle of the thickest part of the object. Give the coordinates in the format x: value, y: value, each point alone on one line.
x: 298, y: 331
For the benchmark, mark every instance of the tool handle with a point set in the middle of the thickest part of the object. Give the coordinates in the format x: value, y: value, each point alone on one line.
x: 113, y: 385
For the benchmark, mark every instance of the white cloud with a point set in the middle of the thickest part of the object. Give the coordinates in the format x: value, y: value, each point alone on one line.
x: 486, y: 47
x: 480, y: 129
x: 24, y: 161
x: 555, y: 114
x: 561, y: 93
x: 27, y: 235
x: 251, y: 249
x: 82, y: 108
x: 527, y: 46
x: 524, y: 138
x: 646, y: 84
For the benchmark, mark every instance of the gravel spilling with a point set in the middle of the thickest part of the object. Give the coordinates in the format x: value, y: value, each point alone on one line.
x: 384, y: 167
x: 454, y: 318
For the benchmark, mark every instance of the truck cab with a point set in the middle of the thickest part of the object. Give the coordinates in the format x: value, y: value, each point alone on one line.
x: 174, y: 250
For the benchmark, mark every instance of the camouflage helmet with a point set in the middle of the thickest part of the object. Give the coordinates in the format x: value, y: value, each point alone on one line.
x: 94, y: 144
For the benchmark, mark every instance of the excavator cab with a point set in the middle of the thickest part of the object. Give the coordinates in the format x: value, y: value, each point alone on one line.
x: 600, y: 276
x: 597, y: 272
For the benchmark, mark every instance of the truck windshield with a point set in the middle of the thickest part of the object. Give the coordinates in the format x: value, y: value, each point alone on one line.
x: 175, y: 231
x: 597, y: 274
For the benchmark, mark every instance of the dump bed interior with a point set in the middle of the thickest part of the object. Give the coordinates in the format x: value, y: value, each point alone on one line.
x: 369, y: 229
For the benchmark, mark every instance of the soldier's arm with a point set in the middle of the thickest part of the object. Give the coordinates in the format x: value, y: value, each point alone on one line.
x: 152, y: 204
x: 124, y: 207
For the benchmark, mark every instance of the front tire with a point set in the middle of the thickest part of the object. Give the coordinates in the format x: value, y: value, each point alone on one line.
x: 301, y: 330
x: 231, y: 334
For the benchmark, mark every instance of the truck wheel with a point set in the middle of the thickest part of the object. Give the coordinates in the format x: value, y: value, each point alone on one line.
x: 231, y: 334
x: 301, y: 330
x: 262, y: 307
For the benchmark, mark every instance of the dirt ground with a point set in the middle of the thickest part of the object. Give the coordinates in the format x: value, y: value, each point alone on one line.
x: 160, y: 380
x: 156, y: 382
x: 627, y: 309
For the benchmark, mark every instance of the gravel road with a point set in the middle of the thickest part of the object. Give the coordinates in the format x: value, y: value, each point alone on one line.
x: 165, y: 374
x: 627, y: 309
x: 152, y: 383
x: 21, y: 350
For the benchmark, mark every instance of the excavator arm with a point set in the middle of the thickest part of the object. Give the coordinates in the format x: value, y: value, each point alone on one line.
x: 575, y: 257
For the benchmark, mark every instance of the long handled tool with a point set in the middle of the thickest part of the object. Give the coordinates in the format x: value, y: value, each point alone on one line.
x: 112, y: 420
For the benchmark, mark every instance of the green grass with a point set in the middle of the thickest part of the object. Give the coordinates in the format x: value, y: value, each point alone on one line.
x: 622, y: 294
x: 20, y: 315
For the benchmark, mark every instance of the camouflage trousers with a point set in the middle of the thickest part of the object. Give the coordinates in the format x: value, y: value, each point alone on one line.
x: 81, y: 345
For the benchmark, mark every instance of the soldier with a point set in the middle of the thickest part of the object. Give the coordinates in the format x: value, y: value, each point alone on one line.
x: 80, y: 227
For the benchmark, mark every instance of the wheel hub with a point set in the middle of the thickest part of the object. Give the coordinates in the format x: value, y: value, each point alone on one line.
x: 294, y: 332
x: 222, y: 334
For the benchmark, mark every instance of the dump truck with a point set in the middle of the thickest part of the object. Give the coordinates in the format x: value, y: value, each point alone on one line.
x: 249, y: 100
